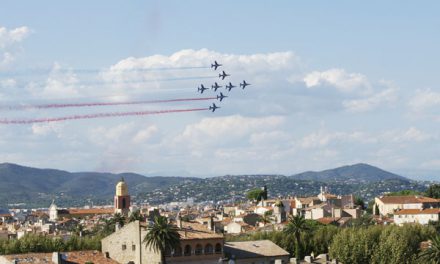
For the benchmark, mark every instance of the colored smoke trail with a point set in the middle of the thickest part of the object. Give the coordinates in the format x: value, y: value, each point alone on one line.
x: 94, y: 104
x: 93, y: 116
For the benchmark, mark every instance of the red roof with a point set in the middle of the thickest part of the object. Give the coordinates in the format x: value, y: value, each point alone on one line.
x: 407, y: 199
x: 418, y: 211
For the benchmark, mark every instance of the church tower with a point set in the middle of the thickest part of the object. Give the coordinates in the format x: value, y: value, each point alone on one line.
x: 122, y: 198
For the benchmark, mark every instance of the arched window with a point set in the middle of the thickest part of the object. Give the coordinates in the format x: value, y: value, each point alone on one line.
x: 218, y: 248
x: 123, y: 203
x: 209, y: 249
x: 199, y: 249
x: 187, y: 251
x: 178, y: 251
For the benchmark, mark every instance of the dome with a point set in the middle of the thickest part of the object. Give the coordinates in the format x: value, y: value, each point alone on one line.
x: 121, y: 188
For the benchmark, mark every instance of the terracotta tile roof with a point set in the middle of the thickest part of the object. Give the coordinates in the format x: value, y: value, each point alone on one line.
x: 327, y: 220
x: 74, y: 257
x: 407, y: 199
x: 92, y: 211
x: 418, y: 211
x: 5, y: 215
x: 193, y: 230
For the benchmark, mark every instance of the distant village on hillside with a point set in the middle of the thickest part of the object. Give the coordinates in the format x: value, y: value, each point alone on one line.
x: 208, y: 232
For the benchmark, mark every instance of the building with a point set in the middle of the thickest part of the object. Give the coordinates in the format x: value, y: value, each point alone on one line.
x: 387, y: 205
x: 420, y: 216
x: 122, y: 198
x: 198, y: 245
x: 261, y: 252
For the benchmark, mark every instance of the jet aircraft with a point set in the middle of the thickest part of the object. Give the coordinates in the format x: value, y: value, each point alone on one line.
x: 215, y: 86
x: 229, y: 87
x: 202, y: 88
x: 213, y: 107
x: 221, y: 97
x: 244, y: 84
x: 223, y: 75
x: 215, y: 65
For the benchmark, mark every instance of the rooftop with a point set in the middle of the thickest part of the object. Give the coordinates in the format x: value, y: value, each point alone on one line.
x: 74, y: 257
x: 407, y: 199
x: 253, y: 249
x: 418, y: 211
x: 193, y: 230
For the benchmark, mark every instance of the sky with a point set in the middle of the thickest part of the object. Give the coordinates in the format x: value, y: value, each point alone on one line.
x: 332, y: 83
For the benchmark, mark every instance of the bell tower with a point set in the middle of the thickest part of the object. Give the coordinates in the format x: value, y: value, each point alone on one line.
x: 122, y: 198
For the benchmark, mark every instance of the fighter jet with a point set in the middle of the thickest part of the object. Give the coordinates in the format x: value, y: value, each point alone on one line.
x: 221, y: 97
x: 213, y: 107
x: 215, y: 65
x: 244, y: 84
x: 202, y: 88
x: 215, y: 86
x: 223, y: 75
x: 229, y: 87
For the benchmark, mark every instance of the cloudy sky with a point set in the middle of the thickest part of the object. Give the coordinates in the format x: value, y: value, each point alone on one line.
x: 332, y: 84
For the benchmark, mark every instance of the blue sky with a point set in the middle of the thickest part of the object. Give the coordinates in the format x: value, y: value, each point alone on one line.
x: 334, y: 83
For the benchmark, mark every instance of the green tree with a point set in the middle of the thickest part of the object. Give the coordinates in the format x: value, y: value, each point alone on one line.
x: 119, y: 219
x: 358, y: 201
x: 135, y: 216
x: 431, y: 255
x: 398, y: 245
x: 355, y: 245
x: 162, y: 236
x: 433, y: 191
x: 294, y: 228
x: 255, y: 195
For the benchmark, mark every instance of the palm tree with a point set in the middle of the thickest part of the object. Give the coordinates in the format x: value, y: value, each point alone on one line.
x: 295, y: 227
x: 162, y: 236
x: 119, y: 219
x: 266, y: 218
x: 135, y: 216
x: 432, y: 254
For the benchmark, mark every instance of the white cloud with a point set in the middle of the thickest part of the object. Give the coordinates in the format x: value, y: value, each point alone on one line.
x: 340, y: 79
x: 60, y: 84
x: 9, y: 39
x: 424, y: 100
x: 145, y: 134
x: 387, y: 96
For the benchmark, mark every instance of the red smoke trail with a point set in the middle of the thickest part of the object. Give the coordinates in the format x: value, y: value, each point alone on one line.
x: 92, y: 104
x: 92, y: 116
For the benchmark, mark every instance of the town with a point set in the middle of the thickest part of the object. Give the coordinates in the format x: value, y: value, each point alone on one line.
x: 242, y: 232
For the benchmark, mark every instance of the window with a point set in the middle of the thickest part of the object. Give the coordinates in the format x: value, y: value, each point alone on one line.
x: 209, y: 249
x: 199, y: 249
x: 133, y: 247
x: 124, y: 247
x: 187, y: 251
x: 218, y: 248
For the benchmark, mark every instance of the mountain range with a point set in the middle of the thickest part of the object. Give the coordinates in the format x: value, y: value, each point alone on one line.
x: 37, y: 187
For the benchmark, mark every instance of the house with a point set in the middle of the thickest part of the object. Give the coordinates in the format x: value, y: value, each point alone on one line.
x: 420, y: 216
x: 237, y: 227
x: 198, y: 245
x: 261, y: 251
x: 387, y: 205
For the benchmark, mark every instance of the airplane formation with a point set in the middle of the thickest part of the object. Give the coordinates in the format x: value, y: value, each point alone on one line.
x: 216, y: 86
